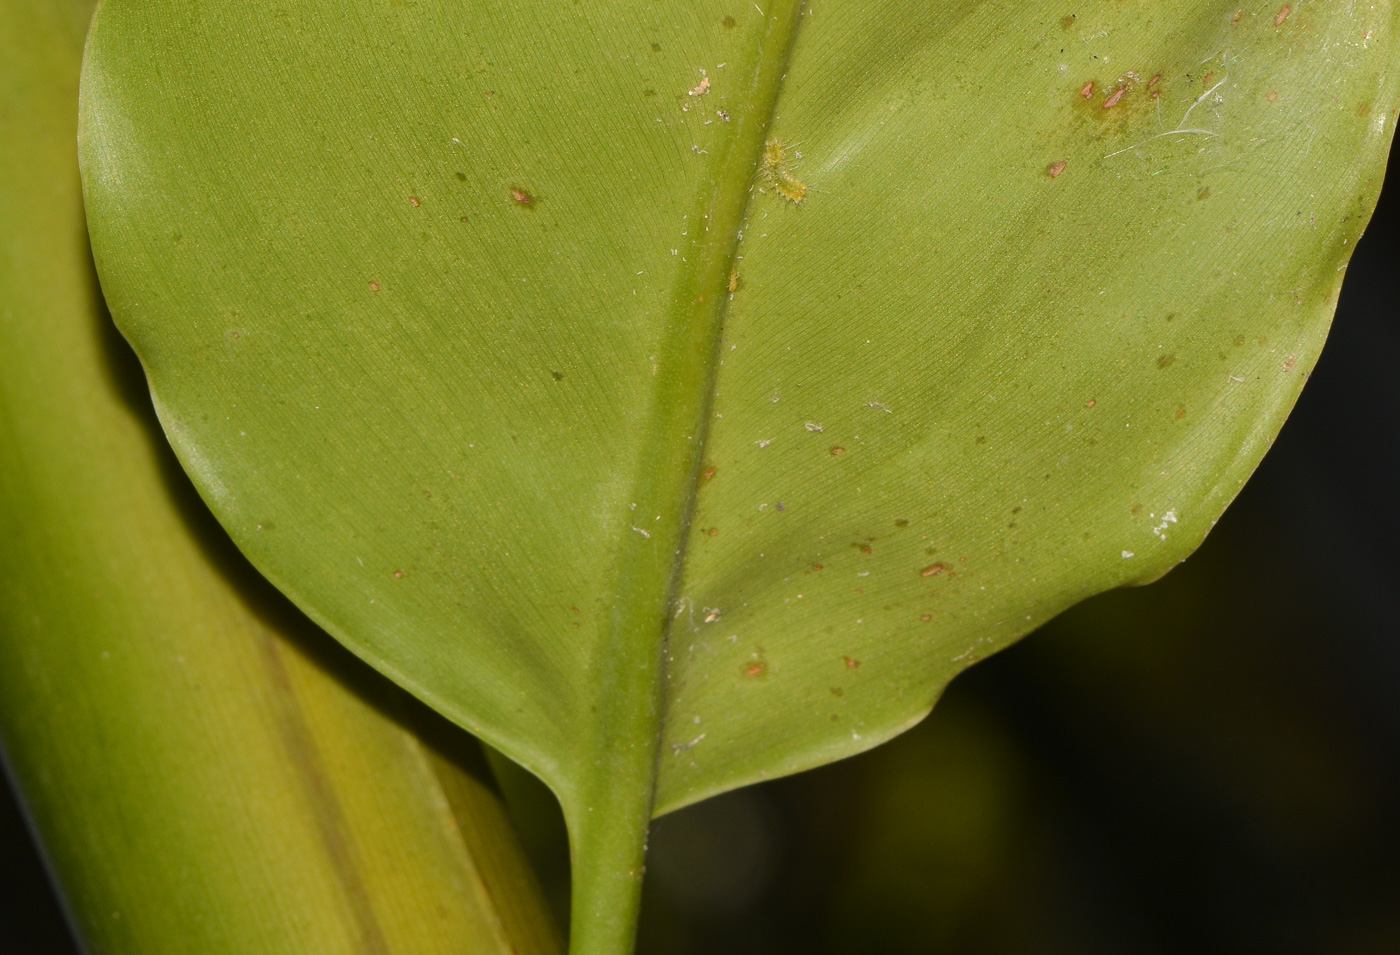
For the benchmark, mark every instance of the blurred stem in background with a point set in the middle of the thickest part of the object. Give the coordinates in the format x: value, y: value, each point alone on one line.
x: 207, y: 771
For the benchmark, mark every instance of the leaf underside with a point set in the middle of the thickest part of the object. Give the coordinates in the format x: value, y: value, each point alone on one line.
x: 495, y: 337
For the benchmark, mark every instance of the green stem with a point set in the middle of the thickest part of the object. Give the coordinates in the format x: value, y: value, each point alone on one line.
x: 610, y: 821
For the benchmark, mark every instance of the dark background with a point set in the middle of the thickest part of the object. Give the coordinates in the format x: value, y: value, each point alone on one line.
x: 1208, y: 764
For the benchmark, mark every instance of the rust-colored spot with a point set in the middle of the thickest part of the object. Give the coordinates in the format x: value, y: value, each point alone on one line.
x: 1239, y: 15
x: 714, y: 531
x: 836, y: 452
x: 933, y: 570
x: 464, y: 219
x: 574, y: 609
x: 863, y: 548
x: 851, y: 664
x: 1090, y: 403
x: 1210, y: 78
x: 755, y: 669
x: 1056, y: 169
x: 414, y: 200
x: 816, y: 566
x: 1180, y: 412
x: 398, y: 574
x: 1290, y: 362
x: 926, y: 617
x: 1282, y: 15
x: 1112, y: 101
x: 1087, y: 90
x: 707, y: 473
x: 521, y: 196
x: 1156, y: 78
x: 374, y: 286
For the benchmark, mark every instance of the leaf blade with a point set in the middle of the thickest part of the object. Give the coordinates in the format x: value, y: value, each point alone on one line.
x: 441, y: 443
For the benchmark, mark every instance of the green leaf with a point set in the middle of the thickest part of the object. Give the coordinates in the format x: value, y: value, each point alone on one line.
x: 500, y: 341
x: 208, y: 772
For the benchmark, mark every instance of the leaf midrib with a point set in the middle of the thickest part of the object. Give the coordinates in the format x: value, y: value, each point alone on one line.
x: 610, y: 808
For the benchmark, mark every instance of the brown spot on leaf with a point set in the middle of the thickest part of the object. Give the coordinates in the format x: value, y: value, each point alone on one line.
x: 1087, y: 90
x: 521, y: 196
x: 933, y: 570
x: 851, y: 664
x: 1282, y: 15
x: 1118, y: 94
x: 414, y: 200
x: 374, y: 286
x: 1056, y: 169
